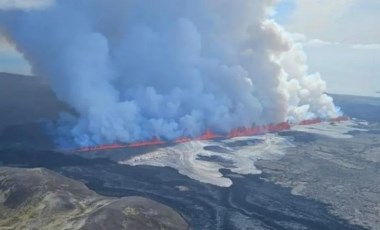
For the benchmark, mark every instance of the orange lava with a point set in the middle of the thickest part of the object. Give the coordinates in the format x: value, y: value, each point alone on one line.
x: 310, y: 122
x: 182, y: 140
x: 209, y: 135
x: 340, y: 119
x: 154, y: 141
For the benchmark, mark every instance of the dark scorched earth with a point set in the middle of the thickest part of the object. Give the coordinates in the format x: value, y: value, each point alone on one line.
x: 322, y: 183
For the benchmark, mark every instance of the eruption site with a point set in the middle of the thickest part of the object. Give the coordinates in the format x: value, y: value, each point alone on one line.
x: 209, y: 135
x: 134, y: 70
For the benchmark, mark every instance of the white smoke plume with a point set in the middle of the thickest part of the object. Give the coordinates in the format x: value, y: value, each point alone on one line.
x: 133, y: 69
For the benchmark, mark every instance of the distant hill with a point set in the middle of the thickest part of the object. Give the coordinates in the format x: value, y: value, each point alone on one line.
x: 25, y: 99
x: 42, y: 199
x: 366, y: 108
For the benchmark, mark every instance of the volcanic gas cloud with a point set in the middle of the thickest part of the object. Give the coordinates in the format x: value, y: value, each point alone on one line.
x: 134, y: 69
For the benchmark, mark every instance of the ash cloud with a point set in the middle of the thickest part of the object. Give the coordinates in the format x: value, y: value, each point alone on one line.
x: 133, y: 69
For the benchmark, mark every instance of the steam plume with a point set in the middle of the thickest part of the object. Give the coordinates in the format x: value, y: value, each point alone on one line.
x: 133, y: 69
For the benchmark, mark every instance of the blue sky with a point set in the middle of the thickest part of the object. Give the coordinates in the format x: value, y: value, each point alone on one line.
x: 12, y: 61
x: 341, y: 39
x: 284, y: 9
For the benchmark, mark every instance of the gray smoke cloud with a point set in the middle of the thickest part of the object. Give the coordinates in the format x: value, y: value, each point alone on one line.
x: 133, y: 69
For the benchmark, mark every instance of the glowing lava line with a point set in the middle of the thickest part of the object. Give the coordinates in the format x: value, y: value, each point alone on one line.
x: 209, y: 135
x: 154, y: 141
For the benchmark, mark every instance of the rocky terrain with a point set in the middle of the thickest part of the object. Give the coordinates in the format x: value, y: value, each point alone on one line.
x: 342, y: 173
x: 336, y: 164
x: 41, y: 199
x: 327, y: 178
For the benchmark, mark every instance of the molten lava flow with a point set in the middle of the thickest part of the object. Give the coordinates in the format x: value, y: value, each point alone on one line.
x: 182, y: 140
x: 310, y: 122
x: 154, y: 141
x: 209, y: 135
x: 255, y: 130
x: 284, y: 126
x: 241, y: 132
x: 340, y: 119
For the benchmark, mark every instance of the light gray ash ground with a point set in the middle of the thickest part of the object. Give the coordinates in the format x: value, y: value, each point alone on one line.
x: 343, y: 173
